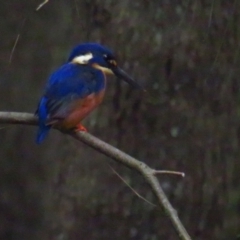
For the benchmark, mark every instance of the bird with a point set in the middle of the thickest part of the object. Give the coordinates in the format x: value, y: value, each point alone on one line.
x: 75, y: 89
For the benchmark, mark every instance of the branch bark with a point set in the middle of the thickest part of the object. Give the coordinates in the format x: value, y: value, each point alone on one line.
x: 117, y: 155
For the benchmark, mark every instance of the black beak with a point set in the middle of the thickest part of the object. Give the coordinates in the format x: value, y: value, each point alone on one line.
x: 123, y: 75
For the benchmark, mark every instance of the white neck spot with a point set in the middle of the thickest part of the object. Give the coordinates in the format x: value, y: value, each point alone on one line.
x: 83, y: 59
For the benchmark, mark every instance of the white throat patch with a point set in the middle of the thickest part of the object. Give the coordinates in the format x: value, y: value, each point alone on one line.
x: 83, y: 59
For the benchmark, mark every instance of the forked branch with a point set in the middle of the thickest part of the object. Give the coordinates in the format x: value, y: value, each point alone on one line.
x: 148, y: 173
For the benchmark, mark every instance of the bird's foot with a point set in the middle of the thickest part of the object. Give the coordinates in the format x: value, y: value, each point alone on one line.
x: 81, y: 128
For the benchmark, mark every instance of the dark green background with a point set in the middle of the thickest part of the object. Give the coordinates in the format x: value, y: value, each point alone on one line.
x: 186, y: 53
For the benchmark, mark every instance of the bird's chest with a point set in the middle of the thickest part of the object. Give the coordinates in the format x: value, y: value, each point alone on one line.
x: 91, y: 101
x: 82, y: 108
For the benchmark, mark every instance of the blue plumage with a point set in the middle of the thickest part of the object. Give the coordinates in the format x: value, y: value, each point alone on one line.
x: 96, y: 49
x: 69, y: 83
x: 74, y: 79
x: 77, y: 87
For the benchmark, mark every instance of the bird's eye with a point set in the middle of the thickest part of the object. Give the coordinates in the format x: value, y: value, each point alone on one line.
x: 110, y: 60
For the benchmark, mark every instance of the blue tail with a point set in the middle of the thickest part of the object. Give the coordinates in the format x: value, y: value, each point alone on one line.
x: 42, y: 117
x: 42, y: 133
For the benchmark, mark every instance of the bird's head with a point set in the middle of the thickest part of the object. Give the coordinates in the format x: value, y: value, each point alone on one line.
x: 100, y: 58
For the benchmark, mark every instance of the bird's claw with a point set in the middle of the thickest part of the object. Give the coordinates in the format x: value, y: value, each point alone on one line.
x: 81, y: 128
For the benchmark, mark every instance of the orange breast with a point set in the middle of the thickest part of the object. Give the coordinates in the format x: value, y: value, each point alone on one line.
x: 81, y: 108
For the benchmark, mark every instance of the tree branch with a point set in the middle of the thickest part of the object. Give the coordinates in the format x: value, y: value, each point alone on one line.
x: 117, y: 155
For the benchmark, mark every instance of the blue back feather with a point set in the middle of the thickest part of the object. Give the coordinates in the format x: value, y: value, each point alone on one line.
x: 69, y: 83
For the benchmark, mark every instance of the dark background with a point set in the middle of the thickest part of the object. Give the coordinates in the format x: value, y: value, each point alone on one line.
x: 186, y: 54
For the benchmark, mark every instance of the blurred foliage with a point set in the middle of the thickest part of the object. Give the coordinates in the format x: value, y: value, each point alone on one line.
x: 186, y: 53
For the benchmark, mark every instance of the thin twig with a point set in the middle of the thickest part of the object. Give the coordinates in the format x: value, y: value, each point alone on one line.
x: 155, y: 172
x: 77, y: 9
x: 41, y: 5
x: 19, y: 34
x: 141, y: 197
x: 117, y: 155
x: 13, y: 49
x: 210, y: 15
x: 16, y: 41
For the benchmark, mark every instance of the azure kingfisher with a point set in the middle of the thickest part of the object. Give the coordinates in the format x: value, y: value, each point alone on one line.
x: 76, y: 88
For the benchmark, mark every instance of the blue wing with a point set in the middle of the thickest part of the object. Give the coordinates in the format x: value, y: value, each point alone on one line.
x: 67, y: 84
